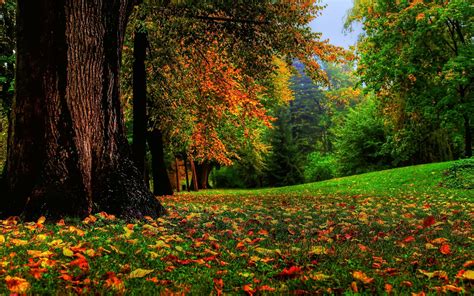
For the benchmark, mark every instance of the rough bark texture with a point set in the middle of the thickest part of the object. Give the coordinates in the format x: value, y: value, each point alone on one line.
x: 139, y: 100
x: 67, y: 152
x: 161, y: 181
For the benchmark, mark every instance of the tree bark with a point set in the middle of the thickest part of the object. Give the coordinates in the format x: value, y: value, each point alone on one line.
x: 203, y: 171
x: 161, y: 181
x: 186, y: 173
x: 139, y: 100
x: 177, y: 175
x: 194, y: 182
x: 67, y: 153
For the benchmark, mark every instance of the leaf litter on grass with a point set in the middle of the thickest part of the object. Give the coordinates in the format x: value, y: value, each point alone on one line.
x: 230, y: 244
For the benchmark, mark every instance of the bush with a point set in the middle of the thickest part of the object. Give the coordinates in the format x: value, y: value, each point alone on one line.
x: 360, y: 141
x: 460, y: 175
x: 319, y: 167
x: 227, y: 177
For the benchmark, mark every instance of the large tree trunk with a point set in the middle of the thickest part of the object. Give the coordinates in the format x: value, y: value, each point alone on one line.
x: 203, y: 170
x: 161, y: 181
x: 139, y: 100
x: 67, y: 152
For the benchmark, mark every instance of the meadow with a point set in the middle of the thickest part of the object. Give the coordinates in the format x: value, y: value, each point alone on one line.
x: 391, y: 232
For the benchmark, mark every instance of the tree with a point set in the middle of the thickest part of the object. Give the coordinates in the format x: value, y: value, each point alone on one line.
x: 67, y: 152
x: 417, y: 58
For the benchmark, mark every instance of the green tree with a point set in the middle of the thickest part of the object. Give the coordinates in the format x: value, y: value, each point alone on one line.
x: 417, y: 57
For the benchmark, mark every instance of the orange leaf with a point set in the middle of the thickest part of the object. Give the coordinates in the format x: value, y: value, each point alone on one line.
x: 359, y: 275
x: 250, y: 291
x: 266, y: 288
x: 409, y: 239
x: 218, y: 285
x: 17, y: 284
x: 388, y: 288
x: 290, y: 272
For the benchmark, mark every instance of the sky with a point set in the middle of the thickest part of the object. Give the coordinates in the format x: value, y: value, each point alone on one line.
x: 331, y: 23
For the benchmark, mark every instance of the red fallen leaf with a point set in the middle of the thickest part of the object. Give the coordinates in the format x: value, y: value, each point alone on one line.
x: 66, y: 277
x: 114, y: 282
x: 460, y: 273
x: 256, y: 240
x: 184, y: 262
x: 362, y: 247
x: 218, y: 285
x: 80, y: 262
x: 406, y: 284
x: 430, y: 220
x: 37, y: 273
x: 263, y: 232
x: 391, y: 271
x: 266, y: 288
x: 290, y: 272
x: 409, y: 239
x: 445, y: 249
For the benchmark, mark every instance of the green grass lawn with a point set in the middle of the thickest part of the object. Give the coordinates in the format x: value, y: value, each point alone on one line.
x: 394, y: 231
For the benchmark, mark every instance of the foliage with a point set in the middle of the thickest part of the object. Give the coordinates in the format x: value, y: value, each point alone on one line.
x: 319, y: 167
x: 3, y: 139
x: 416, y: 56
x: 7, y: 54
x: 284, y: 162
x: 366, y: 241
x: 360, y: 140
x: 460, y: 174
x: 213, y: 78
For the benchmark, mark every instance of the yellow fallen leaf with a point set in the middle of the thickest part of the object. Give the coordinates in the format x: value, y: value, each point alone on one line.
x: 468, y: 275
x: 139, y: 273
x: 179, y: 248
x: 67, y: 252
x: 41, y: 220
x: 39, y: 254
x: 318, y: 250
x: 359, y: 275
x: 18, y: 242
x: 2, y: 239
x: 318, y: 276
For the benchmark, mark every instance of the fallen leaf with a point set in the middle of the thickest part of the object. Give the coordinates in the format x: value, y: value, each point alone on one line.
x: 359, y: 275
x: 17, y: 284
x: 138, y: 273
x: 445, y: 249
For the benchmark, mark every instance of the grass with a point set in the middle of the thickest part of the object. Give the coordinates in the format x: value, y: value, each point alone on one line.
x: 394, y: 231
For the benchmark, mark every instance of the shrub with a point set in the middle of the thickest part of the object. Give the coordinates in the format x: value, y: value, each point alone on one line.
x: 460, y: 175
x: 360, y: 140
x: 319, y: 167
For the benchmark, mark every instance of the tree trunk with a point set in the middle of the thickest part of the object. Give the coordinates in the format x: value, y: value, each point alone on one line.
x: 161, y: 181
x: 177, y: 175
x: 467, y: 136
x: 186, y: 173
x: 194, y: 182
x: 139, y: 100
x: 203, y: 171
x: 67, y: 153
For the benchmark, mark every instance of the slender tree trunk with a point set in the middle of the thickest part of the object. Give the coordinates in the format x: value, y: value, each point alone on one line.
x: 186, y: 172
x: 177, y: 174
x: 67, y: 153
x: 139, y: 100
x: 161, y: 181
x: 195, y: 186
x: 467, y: 136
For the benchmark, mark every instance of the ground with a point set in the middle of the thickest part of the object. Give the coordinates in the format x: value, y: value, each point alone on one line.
x: 396, y: 231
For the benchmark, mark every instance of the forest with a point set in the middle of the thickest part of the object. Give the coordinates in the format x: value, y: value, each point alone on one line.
x: 235, y: 148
